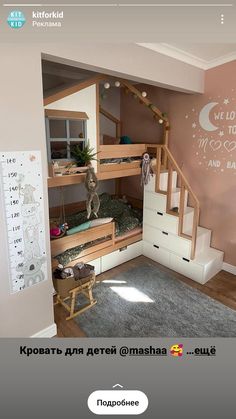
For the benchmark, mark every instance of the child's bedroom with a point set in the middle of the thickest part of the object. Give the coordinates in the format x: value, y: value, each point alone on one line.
x: 141, y: 204
x: 119, y: 199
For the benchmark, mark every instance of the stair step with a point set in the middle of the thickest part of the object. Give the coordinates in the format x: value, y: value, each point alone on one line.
x: 203, y: 239
x: 207, y: 256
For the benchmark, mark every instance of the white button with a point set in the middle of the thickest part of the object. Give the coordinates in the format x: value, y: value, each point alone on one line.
x: 118, y: 402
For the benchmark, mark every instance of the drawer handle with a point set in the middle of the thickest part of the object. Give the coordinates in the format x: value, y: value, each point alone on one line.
x: 165, y: 232
x: 159, y: 213
x: 122, y: 249
x: 186, y: 260
x: 157, y: 247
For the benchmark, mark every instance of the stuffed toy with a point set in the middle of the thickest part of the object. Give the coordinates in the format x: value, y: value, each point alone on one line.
x: 91, y: 184
x: 147, y: 170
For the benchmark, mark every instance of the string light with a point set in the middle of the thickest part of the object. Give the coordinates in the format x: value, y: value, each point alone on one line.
x: 144, y: 94
x: 107, y: 85
x: 117, y: 83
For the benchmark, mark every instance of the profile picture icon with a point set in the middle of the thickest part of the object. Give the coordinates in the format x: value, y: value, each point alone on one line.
x: 177, y: 350
x: 16, y: 19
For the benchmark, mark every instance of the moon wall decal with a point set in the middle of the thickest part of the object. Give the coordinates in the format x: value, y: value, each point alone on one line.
x: 204, y: 117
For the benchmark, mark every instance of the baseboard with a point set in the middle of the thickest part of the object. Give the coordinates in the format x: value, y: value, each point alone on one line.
x: 48, y: 332
x: 229, y: 268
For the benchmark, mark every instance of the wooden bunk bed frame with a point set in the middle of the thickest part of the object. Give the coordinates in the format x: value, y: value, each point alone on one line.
x: 105, y: 233
x: 164, y: 161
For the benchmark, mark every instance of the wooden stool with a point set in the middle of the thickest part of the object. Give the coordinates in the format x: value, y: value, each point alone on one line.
x: 68, y: 289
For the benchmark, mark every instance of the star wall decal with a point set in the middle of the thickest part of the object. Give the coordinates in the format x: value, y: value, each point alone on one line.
x: 194, y: 125
x: 221, y: 133
x: 226, y: 101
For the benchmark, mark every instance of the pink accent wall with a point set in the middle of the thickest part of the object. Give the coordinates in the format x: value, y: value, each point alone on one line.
x: 203, y: 141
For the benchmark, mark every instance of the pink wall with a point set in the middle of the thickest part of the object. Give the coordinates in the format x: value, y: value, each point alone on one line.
x: 203, y: 140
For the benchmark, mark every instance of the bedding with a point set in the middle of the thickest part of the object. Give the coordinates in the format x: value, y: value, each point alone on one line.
x: 121, y: 160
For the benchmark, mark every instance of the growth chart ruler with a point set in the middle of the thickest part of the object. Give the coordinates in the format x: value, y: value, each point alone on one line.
x: 22, y: 189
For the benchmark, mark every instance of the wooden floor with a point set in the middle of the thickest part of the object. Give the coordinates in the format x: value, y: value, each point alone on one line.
x: 222, y: 288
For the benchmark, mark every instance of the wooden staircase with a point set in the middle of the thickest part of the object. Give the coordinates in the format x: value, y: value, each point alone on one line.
x: 171, y: 231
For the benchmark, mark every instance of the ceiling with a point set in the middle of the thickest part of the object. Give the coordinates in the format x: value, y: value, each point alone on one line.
x: 204, y: 56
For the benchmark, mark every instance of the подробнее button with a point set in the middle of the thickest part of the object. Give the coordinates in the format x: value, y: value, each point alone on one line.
x: 118, y: 402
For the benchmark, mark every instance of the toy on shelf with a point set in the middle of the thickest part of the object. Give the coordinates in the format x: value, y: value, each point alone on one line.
x: 56, y: 232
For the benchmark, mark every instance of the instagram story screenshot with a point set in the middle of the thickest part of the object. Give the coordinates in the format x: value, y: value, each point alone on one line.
x: 118, y: 209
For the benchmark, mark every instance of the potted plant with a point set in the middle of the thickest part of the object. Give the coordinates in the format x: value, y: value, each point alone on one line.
x: 83, y: 157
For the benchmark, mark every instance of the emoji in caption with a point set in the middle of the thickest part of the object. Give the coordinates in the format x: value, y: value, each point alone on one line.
x: 176, y: 350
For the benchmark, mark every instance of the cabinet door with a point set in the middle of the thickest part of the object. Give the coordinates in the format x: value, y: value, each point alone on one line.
x: 121, y: 256
x: 156, y: 253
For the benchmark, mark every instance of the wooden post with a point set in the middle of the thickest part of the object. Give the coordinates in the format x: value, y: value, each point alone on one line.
x: 158, y: 169
x: 118, y: 187
x: 169, y: 188
x: 181, y: 208
x: 194, y: 232
x: 166, y: 142
x: 98, y: 126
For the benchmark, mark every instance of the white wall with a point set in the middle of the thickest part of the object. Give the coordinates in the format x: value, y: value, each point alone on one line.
x: 82, y: 101
x: 22, y: 128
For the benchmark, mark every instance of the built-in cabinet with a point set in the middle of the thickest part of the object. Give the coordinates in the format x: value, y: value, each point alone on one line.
x: 162, y: 243
x: 122, y: 255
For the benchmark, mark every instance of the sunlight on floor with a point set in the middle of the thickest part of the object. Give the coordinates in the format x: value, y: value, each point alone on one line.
x: 132, y: 294
x: 113, y: 281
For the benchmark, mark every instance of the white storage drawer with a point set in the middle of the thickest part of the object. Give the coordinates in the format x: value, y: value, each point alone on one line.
x: 163, y: 182
x: 97, y: 265
x: 121, y: 256
x: 162, y: 238
x: 155, y: 201
x: 161, y: 220
x: 187, y: 267
x: 156, y: 253
x: 151, y: 184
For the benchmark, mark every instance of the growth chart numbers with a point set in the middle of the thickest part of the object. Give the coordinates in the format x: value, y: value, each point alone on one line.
x: 21, y: 176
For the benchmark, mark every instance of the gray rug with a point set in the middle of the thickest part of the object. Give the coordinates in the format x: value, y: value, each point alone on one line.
x: 146, y: 302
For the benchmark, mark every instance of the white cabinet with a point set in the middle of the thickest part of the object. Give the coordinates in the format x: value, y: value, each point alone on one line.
x: 156, y: 253
x: 187, y: 267
x: 162, y: 243
x: 161, y: 220
x: 121, y: 256
x: 97, y: 265
x: 154, y: 201
x: 169, y: 241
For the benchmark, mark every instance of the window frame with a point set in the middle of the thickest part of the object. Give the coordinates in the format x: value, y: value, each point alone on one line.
x: 67, y: 116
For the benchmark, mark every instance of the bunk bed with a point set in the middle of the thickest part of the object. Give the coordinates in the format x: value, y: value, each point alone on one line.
x: 115, y: 162
x: 95, y: 242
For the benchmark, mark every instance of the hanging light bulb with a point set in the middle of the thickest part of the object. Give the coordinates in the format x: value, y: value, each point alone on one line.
x: 117, y: 83
x: 107, y: 85
x: 144, y: 94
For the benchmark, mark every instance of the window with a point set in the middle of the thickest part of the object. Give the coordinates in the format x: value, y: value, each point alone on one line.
x: 64, y: 130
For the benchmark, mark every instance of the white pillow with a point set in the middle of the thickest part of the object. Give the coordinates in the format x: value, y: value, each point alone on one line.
x: 100, y: 221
